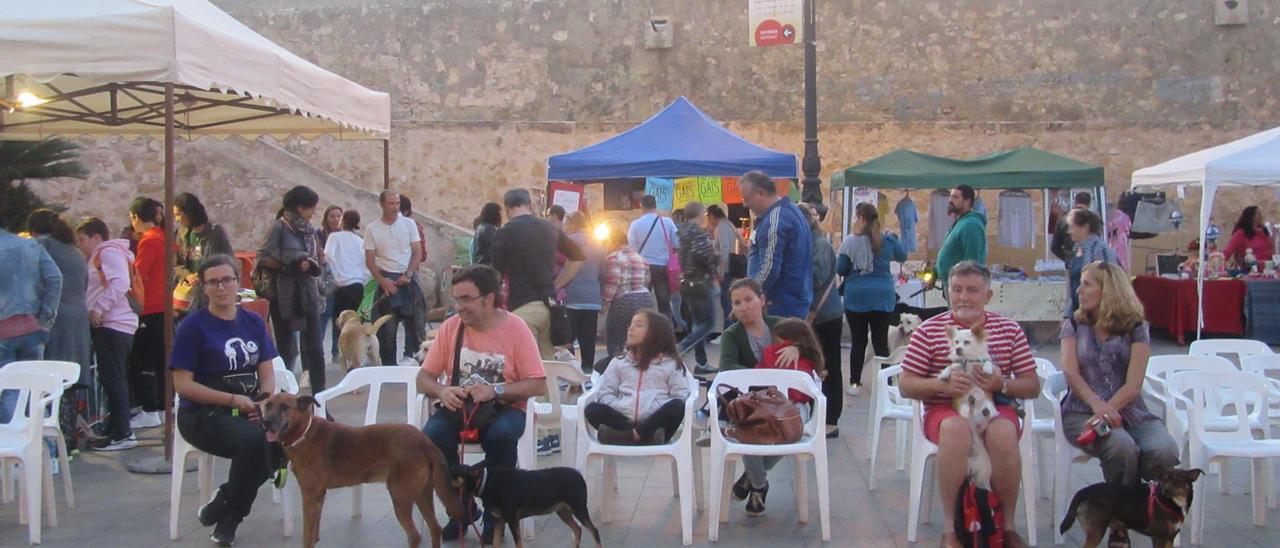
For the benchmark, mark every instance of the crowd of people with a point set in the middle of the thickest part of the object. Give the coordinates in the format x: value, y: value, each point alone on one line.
x: 785, y: 294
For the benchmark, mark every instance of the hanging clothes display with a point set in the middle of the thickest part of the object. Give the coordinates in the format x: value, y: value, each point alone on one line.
x: 882, y: 206
x: 908, y: 217
x: 1118, y: 228
x: 1016, y: 224
x: 979, y: 206
x: 939, y: 221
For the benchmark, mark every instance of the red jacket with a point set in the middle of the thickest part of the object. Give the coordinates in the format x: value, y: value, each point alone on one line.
x: 770, y: 361
x: 150, y: 265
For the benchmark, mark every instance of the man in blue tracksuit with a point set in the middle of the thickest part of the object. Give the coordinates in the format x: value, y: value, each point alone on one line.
x: 779, y: 257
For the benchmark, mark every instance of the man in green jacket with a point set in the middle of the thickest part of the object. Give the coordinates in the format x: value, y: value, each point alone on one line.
x: 967, y: 240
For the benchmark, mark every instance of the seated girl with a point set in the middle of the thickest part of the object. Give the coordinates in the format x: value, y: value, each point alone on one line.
x: 642, y: 392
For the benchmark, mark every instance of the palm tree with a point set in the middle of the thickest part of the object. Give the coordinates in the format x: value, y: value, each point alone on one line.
x: 24, y: 160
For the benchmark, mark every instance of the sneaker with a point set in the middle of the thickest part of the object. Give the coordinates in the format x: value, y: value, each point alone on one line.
x: 456, y: 528
x: 210, y: 512
x: 409, y: 361
x: 704, y: 369
x: 854, y: 389
x: 714, y: 339
x: 563, y: 355
x: 121, y: 444
x: 755, y: 501
x: 741, y: 488
x: 224, y: 534
x: 832, y: 432
x: 549, y: 444
x: 145, y: 419
x: 609, y: 436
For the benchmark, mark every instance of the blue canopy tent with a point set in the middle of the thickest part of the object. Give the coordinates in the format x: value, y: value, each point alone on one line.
x: 679, y: 141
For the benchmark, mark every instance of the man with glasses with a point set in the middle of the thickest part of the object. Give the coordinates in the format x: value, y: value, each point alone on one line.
x: 928, y: 354
x: 484, y: 354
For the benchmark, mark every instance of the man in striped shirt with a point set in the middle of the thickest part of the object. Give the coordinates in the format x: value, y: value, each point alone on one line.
x: 927, y: 356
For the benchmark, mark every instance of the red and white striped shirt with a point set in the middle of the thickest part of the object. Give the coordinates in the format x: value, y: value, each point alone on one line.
x: 927, y: 353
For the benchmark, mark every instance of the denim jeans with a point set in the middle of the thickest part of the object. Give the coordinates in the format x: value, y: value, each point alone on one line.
x: 758, y: 466
x: 499, y: 440
x: 17, y: 349
x: 726, y: 302
x: 326, y: 320
x: 700, y: 299
x: 1129, y: 453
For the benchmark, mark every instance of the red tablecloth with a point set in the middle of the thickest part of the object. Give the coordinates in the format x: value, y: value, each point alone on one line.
x: 262, y: 308
x: 247, y: 260
x: 1171, y: 304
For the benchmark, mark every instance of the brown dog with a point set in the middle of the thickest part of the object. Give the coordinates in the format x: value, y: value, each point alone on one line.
x: 327, y: 455
x: 358, y: 341
x: 1156, y: 509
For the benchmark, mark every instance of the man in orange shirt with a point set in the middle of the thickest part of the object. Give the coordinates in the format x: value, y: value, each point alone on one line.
x: 146, y: 361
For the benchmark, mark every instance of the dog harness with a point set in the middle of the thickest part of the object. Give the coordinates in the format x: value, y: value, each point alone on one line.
x: 1154, y: 500
x: 982, y: 515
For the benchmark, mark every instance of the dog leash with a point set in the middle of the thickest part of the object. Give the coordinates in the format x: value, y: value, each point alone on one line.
x: 1153, y: 499
x: 474, y: 435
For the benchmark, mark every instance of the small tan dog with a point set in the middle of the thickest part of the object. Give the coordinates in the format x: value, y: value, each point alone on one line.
x: 327, y: 455
x: 898, y: 335
x: 358, y: 341
x: 423, y: 348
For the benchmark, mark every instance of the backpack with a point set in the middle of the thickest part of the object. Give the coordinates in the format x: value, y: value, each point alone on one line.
x: 136, y: 293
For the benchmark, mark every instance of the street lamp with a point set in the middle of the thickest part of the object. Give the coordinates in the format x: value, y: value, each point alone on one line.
x: 811, y: 165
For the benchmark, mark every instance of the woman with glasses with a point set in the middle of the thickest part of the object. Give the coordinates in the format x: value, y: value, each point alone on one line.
x: 1105, y: 346
x: 221, y: 360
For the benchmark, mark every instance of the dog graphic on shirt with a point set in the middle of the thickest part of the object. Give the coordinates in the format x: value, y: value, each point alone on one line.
x: 236, y: 347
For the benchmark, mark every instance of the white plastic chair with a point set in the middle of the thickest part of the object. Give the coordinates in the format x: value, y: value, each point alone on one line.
x: 685, y: 464
x: 1159, y: 370
x: 1263, y: 365
x: 813, y: 445
x: 67, y: 374
x: 26, y: 445
x: 554, y: 413
x: 923, y: 451
x: 374, y: 378
x: 887, y: 403
x: 1242, y: 348
x: 1249, y: 392
x: 1054, y: 389
x: 1041, y: 427
x: 285, y: 382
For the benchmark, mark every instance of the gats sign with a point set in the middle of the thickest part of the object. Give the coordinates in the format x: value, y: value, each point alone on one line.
x: 775, y: 22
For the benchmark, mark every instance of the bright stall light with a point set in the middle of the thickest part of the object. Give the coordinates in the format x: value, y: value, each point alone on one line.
x: 27, y: 99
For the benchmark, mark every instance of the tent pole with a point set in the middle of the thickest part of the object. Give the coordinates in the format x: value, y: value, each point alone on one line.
x: 169, y: 257
x: 1101, y: 191
x: 1044, y: 195
x: 386, y: 164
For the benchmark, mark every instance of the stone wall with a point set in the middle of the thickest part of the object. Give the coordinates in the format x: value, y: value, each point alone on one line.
x: 484, y: 90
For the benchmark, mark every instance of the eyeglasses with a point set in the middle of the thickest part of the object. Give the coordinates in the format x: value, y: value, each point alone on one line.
x: 468, y: 299
x: 222, y: 283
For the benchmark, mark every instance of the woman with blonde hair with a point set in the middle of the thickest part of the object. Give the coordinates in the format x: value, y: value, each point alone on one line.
x: 1105, y: 346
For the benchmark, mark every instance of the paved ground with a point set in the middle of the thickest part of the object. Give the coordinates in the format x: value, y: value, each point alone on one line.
x: 116, y: 508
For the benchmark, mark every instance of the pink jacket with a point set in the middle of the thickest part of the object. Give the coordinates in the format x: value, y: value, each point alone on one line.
x: 109, y: 299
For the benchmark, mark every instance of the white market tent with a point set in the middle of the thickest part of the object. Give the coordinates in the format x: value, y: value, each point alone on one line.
x: 167, y: 69
x: 1251, y: 161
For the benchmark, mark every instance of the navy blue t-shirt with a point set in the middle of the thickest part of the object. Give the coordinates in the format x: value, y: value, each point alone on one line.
x: 210, y: 346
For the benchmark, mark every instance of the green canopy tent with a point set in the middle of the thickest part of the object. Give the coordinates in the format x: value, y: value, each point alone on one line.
x: 1019, y: 168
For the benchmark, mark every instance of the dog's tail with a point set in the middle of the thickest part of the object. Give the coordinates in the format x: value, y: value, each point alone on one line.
x: 372, y: 329
x: 1070, y: 518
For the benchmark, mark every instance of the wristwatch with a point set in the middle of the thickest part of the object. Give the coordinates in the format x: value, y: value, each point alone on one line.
x: 499, y: 389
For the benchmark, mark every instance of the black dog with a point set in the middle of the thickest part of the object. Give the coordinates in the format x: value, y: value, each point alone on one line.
x: 511, y: 494
x: 1155, y: 509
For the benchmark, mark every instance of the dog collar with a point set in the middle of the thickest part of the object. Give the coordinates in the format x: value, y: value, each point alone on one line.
x: 304, y: 433
x: 484, y: 478
x: 1154, y: 499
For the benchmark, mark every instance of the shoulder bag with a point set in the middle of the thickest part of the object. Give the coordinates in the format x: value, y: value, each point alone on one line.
x: 473, y: 417
x: 764, y: 416
x: 264, y: 279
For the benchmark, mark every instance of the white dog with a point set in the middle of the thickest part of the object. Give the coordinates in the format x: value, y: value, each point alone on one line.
x: 968, y: 353
x: 899, y: 335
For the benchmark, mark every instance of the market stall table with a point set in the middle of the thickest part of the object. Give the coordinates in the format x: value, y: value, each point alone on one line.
x: 1262, y: 310
x: 1171, y: 304
x: 262, y: 308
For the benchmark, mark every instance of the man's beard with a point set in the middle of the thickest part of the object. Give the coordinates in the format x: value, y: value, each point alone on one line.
x: 952, y: 210
x: 966, y: 312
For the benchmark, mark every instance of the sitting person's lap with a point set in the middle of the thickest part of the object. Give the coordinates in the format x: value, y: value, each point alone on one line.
x: 935, y: 414
x: 498, y: 440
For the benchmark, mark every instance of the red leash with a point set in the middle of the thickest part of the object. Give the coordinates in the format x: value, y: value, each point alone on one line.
x: 467, y: 435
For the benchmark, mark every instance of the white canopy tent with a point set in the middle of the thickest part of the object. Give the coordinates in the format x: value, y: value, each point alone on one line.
x: 168, y: 69
x: 1251, y: 161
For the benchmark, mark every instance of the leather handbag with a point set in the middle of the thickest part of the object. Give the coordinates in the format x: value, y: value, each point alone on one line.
x: 764, y: 417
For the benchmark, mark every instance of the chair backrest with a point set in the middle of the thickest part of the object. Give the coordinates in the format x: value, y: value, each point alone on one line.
x: 1247, y: 393
x: 375, y: 378
x: 66, y: 372
x: 895, y: 357
x: 557, y: 372
x: 1161, y: 368
x: 1044, y: 368
x: 286, y: 382
x: 1242, y: 348
x: 887, y: 394
x: 35, y: 390
x: 1054, y: 388
x: 1263, y: 365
